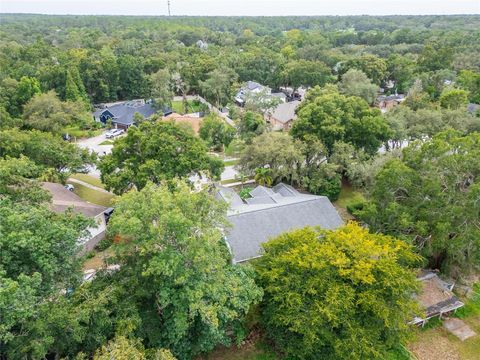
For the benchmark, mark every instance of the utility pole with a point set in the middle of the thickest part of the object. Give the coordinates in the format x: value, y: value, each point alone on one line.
x: 168, y: 3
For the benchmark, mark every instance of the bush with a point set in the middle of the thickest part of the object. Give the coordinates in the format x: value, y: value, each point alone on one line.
x: 321, y: 182
x: 104, y: 243
x: 355, y: 206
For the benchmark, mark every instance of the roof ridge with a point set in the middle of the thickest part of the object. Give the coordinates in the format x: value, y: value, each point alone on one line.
x: 279, y: 205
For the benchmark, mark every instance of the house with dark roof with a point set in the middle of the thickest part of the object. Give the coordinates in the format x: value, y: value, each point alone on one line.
x: 122, y: 114
x: 388, y: 102
x: 63, y: 199
x: 270, y: 212
x: 435, y: 297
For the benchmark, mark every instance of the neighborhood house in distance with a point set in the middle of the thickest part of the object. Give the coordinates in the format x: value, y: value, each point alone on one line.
x: 122, y: 113
x: 63, y: 199
x: 270, y: 212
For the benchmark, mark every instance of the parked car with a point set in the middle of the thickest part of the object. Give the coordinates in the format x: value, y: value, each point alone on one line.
x: 69, y: 187
x: 114, y: 133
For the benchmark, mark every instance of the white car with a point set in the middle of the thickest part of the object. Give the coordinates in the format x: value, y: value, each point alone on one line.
x: 114, y: 133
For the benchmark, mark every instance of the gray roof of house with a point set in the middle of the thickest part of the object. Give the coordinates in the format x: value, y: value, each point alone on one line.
x: 252, y: 85
x: 228, y: 195
x: 123, y: 112
x: 270, y: 213
x: 472, y: 108
x: 285, y: 112
x: 63, y: 199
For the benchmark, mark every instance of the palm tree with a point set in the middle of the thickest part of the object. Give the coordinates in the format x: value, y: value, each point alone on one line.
x: 263, y: 177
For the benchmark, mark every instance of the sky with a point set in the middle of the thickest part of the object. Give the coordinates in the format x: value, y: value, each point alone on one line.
x: 242, y: 7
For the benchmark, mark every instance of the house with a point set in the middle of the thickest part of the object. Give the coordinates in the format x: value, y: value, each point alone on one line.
x: 122, y: 114
x: 388, y: 102
x: 283, y: 116
x: 192, y: 121
x: 435, y: 297
x: 473, y: 109
x: 202, y: 45
x: 63, y: 199
x: 250, y: 87
x: 270, y: 212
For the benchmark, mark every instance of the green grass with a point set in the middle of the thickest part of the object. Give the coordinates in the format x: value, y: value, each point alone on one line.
x: 93, y: 196
x: 231, y: 162
x: 235, y: 148
x: 348, y: 195
x: 472, y: 306
x: 398, y: 353
x: 88, y: 179
x: 76, y: 132
x: 106, y: 142
x: 259, y: 351
x: 193, y: 106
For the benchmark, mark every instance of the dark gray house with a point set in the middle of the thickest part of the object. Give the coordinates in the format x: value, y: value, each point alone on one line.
x: 270, y: 212
x: 122, y: 114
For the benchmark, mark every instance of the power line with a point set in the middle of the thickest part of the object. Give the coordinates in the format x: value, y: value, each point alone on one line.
x: 168, y: 3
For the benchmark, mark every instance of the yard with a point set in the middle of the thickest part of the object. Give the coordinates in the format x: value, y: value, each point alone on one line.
x: 88, y: 179
x: 348, y: 196
x: 93, y: 196
x: 76, y: 132
x: 193, y: 106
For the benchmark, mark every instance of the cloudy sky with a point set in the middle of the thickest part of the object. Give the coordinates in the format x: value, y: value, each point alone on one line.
x: 242, y: 7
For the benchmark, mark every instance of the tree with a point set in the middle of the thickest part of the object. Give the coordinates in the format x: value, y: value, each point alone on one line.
x: 216, y: 132
x: 122, y: 348
x: 356, y: 83
x: 249, y: 125
x: 46, y: 151
x: 275, y: 151
x: 74, y: 88
x: 132, y: 81
x: 417, y: 98
x: 430, y: 198
x: 27, y: 88
x: 46, y: 112
x: 262, y: 177
x: 190, y: 295
x: 218, y: 85
x: 435, y: 56
x: 306, y: 73
x: 154, y: 152
x: 333, y: 117
x: 374, y: 67
x: 454, y: 99
x: 161, y: 88
x: 343, y: 294
x: 470, y: 81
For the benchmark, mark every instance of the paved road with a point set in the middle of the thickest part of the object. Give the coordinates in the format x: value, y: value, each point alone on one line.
x: 94, y: 144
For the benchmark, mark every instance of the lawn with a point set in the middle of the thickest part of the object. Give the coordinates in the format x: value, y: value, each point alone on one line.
x: 93, y: 196
x: 193, y: 106
x: 235, y: 148
x: 88, y: 179
x: 76, y: 132
x: 435, y: 342
x: 231, y: 162
x: 107, y: 142
x: 258, y: 351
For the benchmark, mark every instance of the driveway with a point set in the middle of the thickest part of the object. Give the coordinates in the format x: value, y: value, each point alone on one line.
x: 93, y: 144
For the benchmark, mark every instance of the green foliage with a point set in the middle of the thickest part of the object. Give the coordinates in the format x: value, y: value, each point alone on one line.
x: 343, y: 294
x: 263, y: 177
x: 430, y: 198
x: 356, y: 83
x: 216, y: 132
x: 46, y: 151
x: 276, y: 151
x: 244, y: 192
x: 454, y: 99
x: 161, y: 88
x: 46, y: 112
x: 249, y: 125
x: 470, y: 81
x: 154, y: 152
x: 122, y: 348
x: 324, y: 181
x: 174, y: 252
x: 306, y: 73
x: 374, y: 67
x: 217, y: 87
x: 472, y: 305
x: 333, y: 117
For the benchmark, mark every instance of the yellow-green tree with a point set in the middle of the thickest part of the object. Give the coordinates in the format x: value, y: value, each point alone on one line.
x: 344, y: 294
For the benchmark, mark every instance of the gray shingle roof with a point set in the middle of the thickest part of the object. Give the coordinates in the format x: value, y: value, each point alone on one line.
x: 123, y: 112
x: 285, y: 112
x: 267, y: 216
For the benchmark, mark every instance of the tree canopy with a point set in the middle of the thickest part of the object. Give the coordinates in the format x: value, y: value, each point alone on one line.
x: 344, y: 294
x: 154, y: 152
